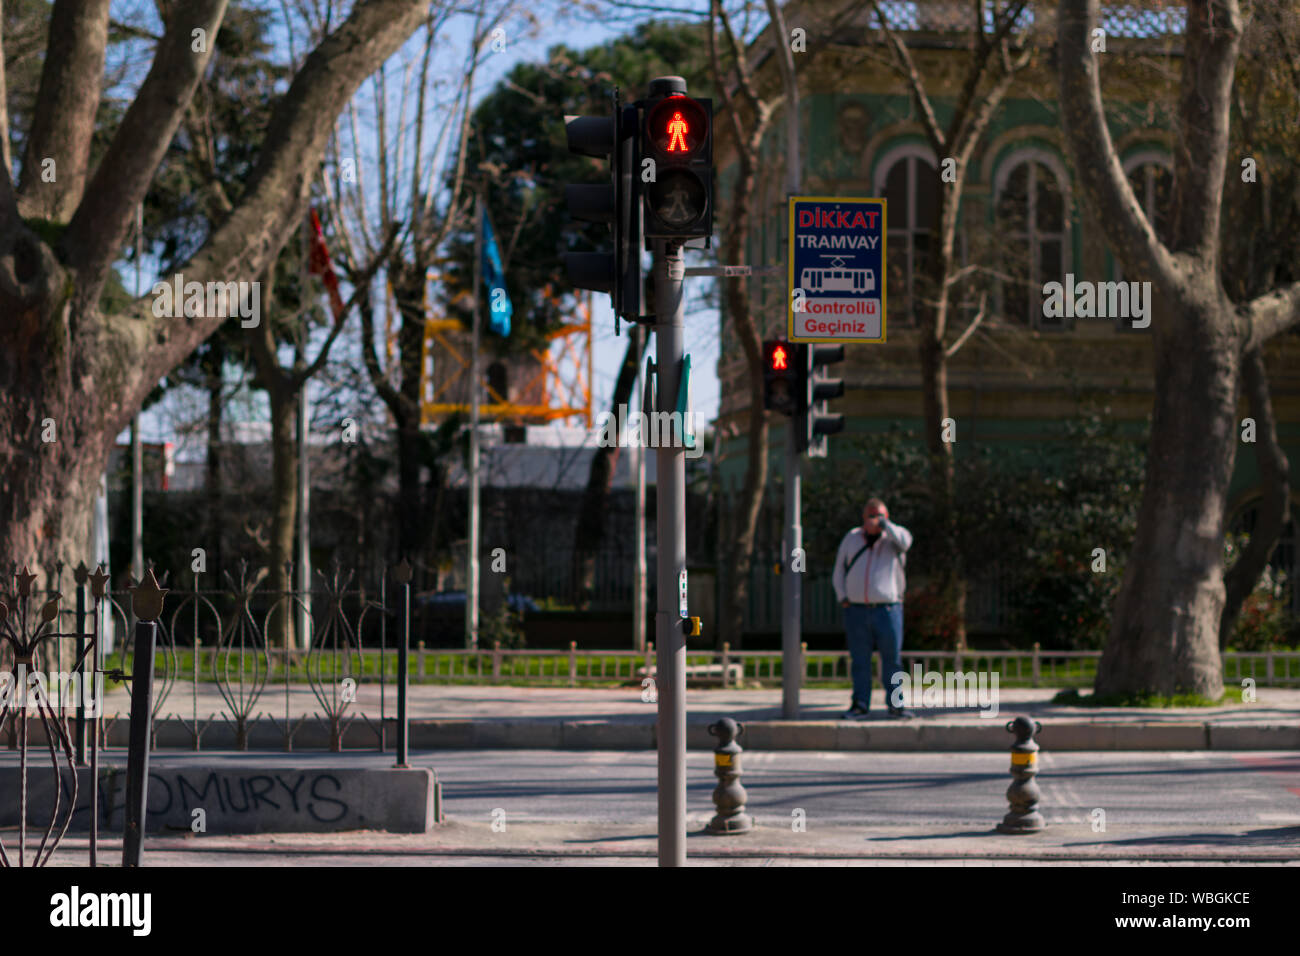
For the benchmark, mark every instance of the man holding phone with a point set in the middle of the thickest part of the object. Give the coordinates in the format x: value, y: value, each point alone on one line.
x: 869, y: 581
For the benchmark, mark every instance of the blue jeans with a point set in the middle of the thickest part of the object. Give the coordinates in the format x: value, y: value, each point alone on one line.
x: 874, y: 629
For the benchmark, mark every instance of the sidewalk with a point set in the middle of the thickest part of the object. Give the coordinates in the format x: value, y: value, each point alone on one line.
x: 494, y: 716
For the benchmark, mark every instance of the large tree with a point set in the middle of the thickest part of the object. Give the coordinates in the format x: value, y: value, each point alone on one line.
x: 1164, y: 634
x: 67, y: 358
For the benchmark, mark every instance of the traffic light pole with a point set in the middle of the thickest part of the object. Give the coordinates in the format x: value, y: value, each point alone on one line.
x: 670, y: 491
x: 791, y: 580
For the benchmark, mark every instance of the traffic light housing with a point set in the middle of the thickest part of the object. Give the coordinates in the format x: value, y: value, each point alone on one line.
x: 677, y: 134
x: 816, y: 421
x: 617, y: 205
x: 781, y: 379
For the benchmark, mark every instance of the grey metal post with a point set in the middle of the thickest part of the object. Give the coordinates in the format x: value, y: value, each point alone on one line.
x: 81, y: 576
x: 303, y: 564
x: 137, y: 502
x: 137, y: 462
x: 670, y: 489
x: 471, y: 567
x: 146, y: 601
x: 402, y: 574
x: 638, y: 469
x: 791, y: 581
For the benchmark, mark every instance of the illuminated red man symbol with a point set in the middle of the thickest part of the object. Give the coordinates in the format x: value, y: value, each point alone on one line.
x: 677, y: 133
x: 778, y: 358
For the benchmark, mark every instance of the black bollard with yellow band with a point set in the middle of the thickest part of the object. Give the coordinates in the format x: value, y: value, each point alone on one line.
x: 728, y: 795
x: 1023, y: 794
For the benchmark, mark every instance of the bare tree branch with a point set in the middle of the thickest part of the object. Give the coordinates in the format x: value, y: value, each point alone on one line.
x: 938, y: 141
x: 1096, y: 160
x: 951, y: 350
x: 274, y: 200
x: 1273, y: 313
x: 103, y: 218
x: 1205, y: 112
x: 63, y: 122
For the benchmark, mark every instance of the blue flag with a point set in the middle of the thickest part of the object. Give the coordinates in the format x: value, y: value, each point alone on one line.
x: 494, y: 277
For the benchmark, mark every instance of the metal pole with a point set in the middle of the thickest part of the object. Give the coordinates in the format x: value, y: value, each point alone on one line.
x: 303, y: 564
x: 670, y: 489
x: 137, y: 463
x: 137, y: 758
x: 471, y: 588
x: 791, y: 581
x: 304, y: 485
x: 638, y: 466
x: 82, y: 575
x: 403, y: 668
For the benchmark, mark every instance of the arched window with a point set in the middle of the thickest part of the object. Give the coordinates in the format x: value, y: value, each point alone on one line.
x: 1032, y: 234
x: 1151, y: 176
x: 908, y: 179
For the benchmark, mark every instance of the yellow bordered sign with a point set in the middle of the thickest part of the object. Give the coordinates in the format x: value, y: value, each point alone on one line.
x: 836, y: 278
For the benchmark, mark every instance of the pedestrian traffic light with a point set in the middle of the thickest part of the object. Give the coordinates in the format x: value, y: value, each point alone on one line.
x: 677, y: 137
x: 816, y: 390
x: 780, y: 377
x: 617, y: 204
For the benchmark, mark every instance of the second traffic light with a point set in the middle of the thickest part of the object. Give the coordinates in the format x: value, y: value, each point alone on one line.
x: 815, y: 421
x: 781, y: 379
x: 677, y: 162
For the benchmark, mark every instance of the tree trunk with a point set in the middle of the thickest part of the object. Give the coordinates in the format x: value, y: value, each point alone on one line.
x: 934, y: 312
x: 53, y: 443
x: 213, y: 482
x: 591, y: 519
x: 1274, y: 509
x: 1164, y: 635
x: 412, y: 521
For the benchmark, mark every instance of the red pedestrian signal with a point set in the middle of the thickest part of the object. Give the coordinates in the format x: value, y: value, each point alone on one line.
x: 780, y: 377
x: 677, y: 129
x: 676, y: 139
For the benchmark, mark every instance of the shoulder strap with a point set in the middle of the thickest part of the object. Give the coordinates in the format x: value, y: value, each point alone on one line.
x: 848, y: 565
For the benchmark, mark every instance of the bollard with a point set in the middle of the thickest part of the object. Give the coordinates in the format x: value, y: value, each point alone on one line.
x: 728, y: 795
x: 1023, y: 794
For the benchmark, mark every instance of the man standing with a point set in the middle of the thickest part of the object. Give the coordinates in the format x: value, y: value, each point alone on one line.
x: 869, y: 583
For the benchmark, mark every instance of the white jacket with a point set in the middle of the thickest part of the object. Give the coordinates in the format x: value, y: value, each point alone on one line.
x: 877, y: 577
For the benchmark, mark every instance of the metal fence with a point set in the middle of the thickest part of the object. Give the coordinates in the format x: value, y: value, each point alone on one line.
x: 733, y: 668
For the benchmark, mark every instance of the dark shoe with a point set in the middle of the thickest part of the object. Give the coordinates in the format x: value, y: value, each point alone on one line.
x: 856, y: 712
x: 901, y: 714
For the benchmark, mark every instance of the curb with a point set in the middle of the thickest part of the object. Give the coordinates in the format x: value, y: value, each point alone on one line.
x: 852, y: 736
x: 640, y: 734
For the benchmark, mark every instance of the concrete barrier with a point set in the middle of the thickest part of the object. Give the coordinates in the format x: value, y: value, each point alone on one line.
x: 244, y: 795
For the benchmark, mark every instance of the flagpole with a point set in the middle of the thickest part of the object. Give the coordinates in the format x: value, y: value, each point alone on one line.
x: 471, y: 589
x: 302, y: 567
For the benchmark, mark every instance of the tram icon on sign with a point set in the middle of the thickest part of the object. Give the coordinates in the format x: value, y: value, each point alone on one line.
x: 836, y: 277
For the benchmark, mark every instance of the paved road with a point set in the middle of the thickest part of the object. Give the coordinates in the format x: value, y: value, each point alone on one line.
x: 881, y: 789
x: 598, y: 808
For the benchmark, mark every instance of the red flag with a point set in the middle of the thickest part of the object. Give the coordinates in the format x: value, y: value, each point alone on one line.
x: 319, y: 265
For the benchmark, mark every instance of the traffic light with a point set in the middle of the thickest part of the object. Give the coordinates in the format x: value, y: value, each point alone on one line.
x: 817, y: 422
x: 677, y: 135
x: 780, y: 377
x: 618, y: 205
